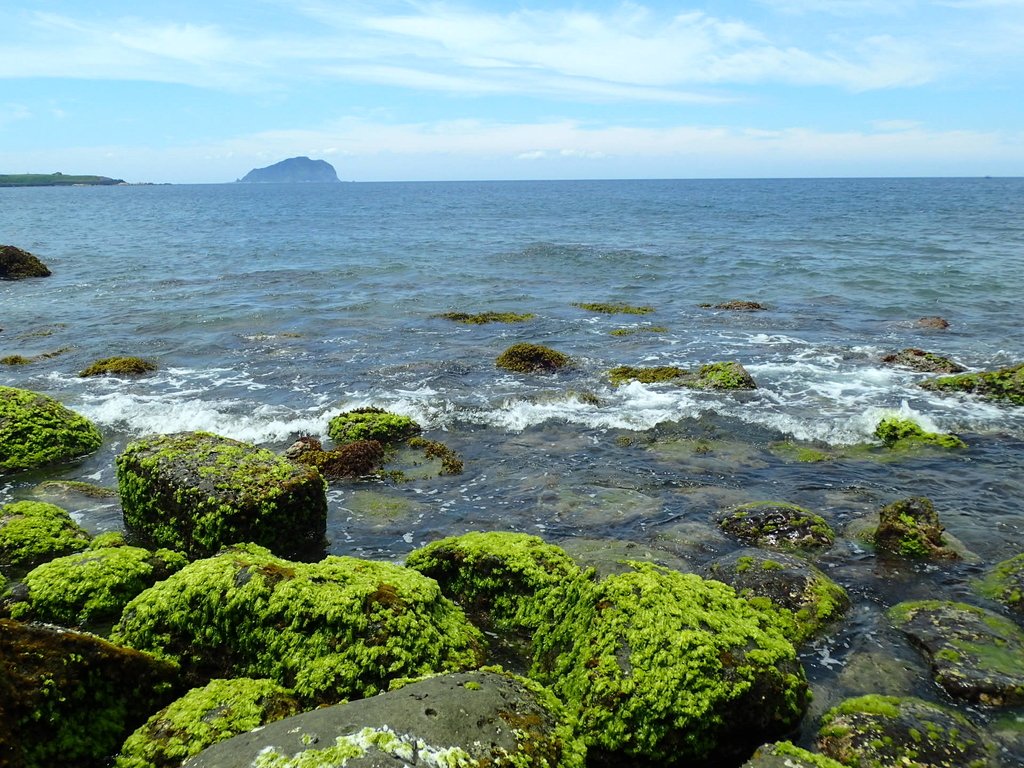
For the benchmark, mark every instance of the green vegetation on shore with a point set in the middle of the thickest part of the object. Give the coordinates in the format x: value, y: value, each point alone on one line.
x: 54, y: 180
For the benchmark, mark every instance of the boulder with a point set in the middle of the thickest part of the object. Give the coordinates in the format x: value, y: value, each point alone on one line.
x: 119, y: 366
x: 196, y: 492
x: 911, y: 528
x: 1002, y: 384
x: 354, y: 459
x: 16, y: 264
x: 70, y: 698
x: 341, y: 628
x: 919, y: 360
x: 532, y: 358
x: 663, y: 667
x: 462, y: 720
x: 1004, y: 583
x: 776, y: 526
x: 737, y: 305
x: 975, y: 655
x: 782, y: 754
x: 36, y: 430
x: 899, y: 433
x: 32, y: 532
x: 371, y: 423
x: 713, y: 376
x: 932, y: 322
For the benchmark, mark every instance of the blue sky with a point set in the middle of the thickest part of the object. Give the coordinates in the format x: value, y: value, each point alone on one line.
x: 205, y: 91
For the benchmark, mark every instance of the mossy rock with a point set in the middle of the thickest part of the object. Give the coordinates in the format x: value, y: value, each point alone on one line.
x: 668, y: 667
x: 531, y: 358
x: 975, y: 655
x: 737, y: 306
x: 451, y: 462
x: 884, y: 731
x: 783, y: 754
x: 203, y: 717
x: 341, y: 628
x: 726, y: 375
x: 197, y: 492
x: 919, y: 360
x: 15, y: 360
x: 16, y: 264
x: 483, y: 318
x: 1005, y: 584
x: 36, y: 430
x: 638, y: 330
x: 898, y: 433
x: 32, y: 532
x: 910, y: 528
x: 496, y: 577
x: 614, y: 309
x: 800, y: 452
x: 1002, y: 384
x: 774, y: 525
x: 119, y: 366
x: 92, y: 587
x: 482, y: 719
x: 658, y: 374
x: 70, y: 698
x: 350, y: 460
x: 801, y: 593
x: 371, y: 424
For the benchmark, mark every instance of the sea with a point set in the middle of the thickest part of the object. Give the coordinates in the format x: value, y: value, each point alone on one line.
x: 269, y: 308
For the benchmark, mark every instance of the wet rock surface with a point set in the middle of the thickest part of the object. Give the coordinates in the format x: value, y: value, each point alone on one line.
x: 776, y: 526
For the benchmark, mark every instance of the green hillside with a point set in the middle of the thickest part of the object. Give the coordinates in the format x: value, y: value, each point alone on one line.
x: 52, y: 180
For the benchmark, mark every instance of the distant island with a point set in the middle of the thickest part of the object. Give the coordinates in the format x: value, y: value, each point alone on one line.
x: 294, y: 170
x: 54, y: 180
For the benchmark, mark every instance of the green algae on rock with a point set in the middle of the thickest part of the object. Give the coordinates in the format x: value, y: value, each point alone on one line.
x: 783, y: 754
x: 975, y: 655
x: 663, y: 666
x: 531, y: 358
x: 36, y: 430
x: 197, y: 492
x: 119, y: 366
x: 371, y: 423
x: 659, y: 374
x: 801, y: 452
x: 613, y: 309
x: 911, y: 528
x: 737, y: 306
x: 776, y: 526
x: 1004, y: 583
x: 341, y: 628
x: 349, y: 460
x: 483, y: 318
x: 17, y: 264
x: 32, y: 532
x: 722, y: 375
x: 638, y: 330
x: 451, y: 464
x: 919, y: 360
x: 1001, y: 384
x: 883, y: 731
x: 205, y: 716
x: 900, y: 433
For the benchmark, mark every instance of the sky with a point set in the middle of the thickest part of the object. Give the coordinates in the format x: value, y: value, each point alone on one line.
x: 392, y: 90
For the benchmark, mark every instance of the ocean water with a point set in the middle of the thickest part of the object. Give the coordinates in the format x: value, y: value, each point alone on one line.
x: 270, y: 308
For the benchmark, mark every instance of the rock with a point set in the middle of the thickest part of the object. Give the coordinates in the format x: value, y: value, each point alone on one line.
x: 94, y: 586
x: 910, y: 528
x: 69, y: 698
x: 899, y: 433
x: 727, y: 375
x: 531, y: 358
x: 32, y: 532
x: 885, y: 731
x: 16, y: 264
x: 790, y: 585
x: 36, y: 430
x: 451, y: 463
x: 776, y: 526
x: 463, y: 720
x: 782, y: 754
x: 341, y: 628
x: 1005, y: 584
x: 197, y: 492
x: 293, y: 170
x: 355, y: 459
x: 1002, y: 384
x: 919, y: 360
x: 205, y: 716
x: 932, y: 322
x: 605, y: 308
x: 371, y: 424
x: 483, y: 318
x: 737, y: 305
x: 119, y: 366
x: 663, y: 667
x: 975, y: 655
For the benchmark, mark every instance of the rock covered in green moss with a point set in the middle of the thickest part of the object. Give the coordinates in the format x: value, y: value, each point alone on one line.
x: 350, y: 460
x: 36, y: 430
x: 1001, y: 384
x: 17, y: 264
x: 605, y: 308
x: 911, y: 528
x: 776, y: 526
x: 32, y: 532
x: 532, y: 358
x: 919, y: 360
x: 801, y: 593
x: 900, y: 433
x: 885, y: 731
x: 94, y: 586
x: 70, y: 698
x: 371, y: 423
x: 119, y: 366
x: 975, y: 655
x: 725, y: 375
x: 340, y: 628
x: 663, y: 666
x: 1004, y: 583
x: 197, y: 492
x: 783, y: 754
x: 205, y: 716
x: 737, y: 305
x: 451, y: 463
x: 483, y: 318
x: 497, y: 575
x: 463, y: 720
x: 657, y: 374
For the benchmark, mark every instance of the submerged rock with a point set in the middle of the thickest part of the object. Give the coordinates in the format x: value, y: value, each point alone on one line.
x: 911, y: 528
x: 1002, y: 384
x: 366, y: 424
x: 32, y: 532
x: 1005, y: 584
x: 197, y: 492
x: 355, y: 459
x: 16, y: 264
x: 341, y: 628
x: 483, y: 318
x: 919, y: 360
x: 975, y: 655
x: 531, y: 358
x: 933, y: 322
x: 666, y: 667
x: 776, y: 526
x: 737, y: 305
x: 614, y: 309
x: 463, y: 720
x: 36, y: 430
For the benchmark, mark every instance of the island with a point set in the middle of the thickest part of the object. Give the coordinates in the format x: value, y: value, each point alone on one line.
x: 294, y: 170
x: 55, y: 180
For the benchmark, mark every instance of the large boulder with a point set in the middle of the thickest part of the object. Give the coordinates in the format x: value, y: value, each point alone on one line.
x: 36, y: 430
x: 532, y: 358
x: 371, y: 423
x: 463, y: 720
x: 663, y: 667
x: 197, y: 492
x: 16, y: 264
x: 1001, y: 384
x: 70, y: 698
x: 341, y: 628
x: 32, y: 532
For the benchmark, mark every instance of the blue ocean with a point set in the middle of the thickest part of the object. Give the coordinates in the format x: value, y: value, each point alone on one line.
x: 270, y: 308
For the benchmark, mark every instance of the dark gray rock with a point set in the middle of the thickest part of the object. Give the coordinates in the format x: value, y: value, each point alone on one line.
x: 16, y: 264
x: 919, y: 360
x: 776, y: 526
